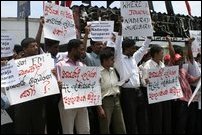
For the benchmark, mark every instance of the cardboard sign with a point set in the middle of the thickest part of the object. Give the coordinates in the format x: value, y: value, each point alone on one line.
x: 136, y: 18
x: 163, y: 84
x: 81, y: 87
x: 36, y: 79
x: 59, y: 23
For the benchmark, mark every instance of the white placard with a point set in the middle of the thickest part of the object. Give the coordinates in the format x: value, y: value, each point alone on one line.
x: 9, y: 74
x: 101, y: 30
x: 163, y: 84
x: 136, y: 18
x: 36, y: 79
x: 5, y: 118
x: 198, y: 87
x: 81, y: 87
x: 196, y: 44
x: 59, y: 23
x: 7, y: 44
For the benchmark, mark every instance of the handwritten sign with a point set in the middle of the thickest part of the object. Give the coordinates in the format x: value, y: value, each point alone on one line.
x: 7, y: 44
x: 5, y: 118
x: 81, y: 87
x: 59, y: 23
x: 136, y: 18
x: 36, y: 79
x: 9, y: 74
x: 101, y: 30
x: 163, y: 84
x: 197, y: 93
x: 196, y: 45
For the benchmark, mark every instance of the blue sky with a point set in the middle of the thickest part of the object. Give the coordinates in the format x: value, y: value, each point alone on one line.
x: 9, y: 8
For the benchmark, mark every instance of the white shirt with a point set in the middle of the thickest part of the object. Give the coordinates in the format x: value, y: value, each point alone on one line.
x: 194, y: 70
x: 150, y: 64
x: 108, y: 82
x: 127, y: 66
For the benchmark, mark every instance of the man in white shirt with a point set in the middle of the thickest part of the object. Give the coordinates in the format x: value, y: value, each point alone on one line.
x: 155, y: 110
x: 110, y: 112
x: 133, y: 99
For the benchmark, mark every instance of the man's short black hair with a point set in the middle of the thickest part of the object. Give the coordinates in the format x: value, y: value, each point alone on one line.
x: 49, y: 42
x: 128, y: 43
x: 106, y: 53
x: 18, y: 48
x: 25, y: 42
x: 74, y: 43
x: 155, y: 49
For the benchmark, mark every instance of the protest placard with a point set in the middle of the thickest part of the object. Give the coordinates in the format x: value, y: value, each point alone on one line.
x: 5, y: 118
x: 7, y: 44
x: 36, y: 79
x: 196, y: 45
x: 81, y: 87
x: 101, y: 30
x: 196, y: 94
x: 9, y: 74
x: 59, y: 23
x: 136, y: 18
x: 163, y: 84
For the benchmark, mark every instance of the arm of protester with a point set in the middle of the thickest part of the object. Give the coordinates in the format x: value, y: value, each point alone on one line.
x: 119, y: 39
x: 85, y: 39
x: 101, y: 112
x: 192, y: 79
x: 138, y: 55
x: 171, y: 49
x: 189, y: 49
x: 39, y: 33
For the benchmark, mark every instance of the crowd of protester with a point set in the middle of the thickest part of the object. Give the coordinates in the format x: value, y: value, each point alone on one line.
x: 124, y: 109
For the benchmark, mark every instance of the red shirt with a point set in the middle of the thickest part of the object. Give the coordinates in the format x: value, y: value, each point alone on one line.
x: 185, y: 80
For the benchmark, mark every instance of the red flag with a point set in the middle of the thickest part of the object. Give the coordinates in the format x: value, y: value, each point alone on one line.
x: 188, y: 7
x: 68, y: 3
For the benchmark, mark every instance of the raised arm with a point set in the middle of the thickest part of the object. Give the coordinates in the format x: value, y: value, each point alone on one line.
x: 138, y: 55
x: 189, y: 49
x: 171, y: 49
x: 39, y: 33
x: 85, y: 38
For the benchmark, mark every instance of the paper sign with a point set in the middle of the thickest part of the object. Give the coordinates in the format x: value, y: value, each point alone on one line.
x: 101, y: 30
x: 9, y: 74
x: 59, y: 23
x: 81, y: 87
x: 163, y: 84
x: 5, y: 118
x: 196, y: 44
x: 7, y: 44
x: 36, y: 79
x: 195, y: 92
x: 136, y: 18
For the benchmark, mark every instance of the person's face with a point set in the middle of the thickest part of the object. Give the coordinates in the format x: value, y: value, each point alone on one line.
x: 78, y: 52
x: 31, y: 49
x: 159, y: 55
x: 97, y: 47
x: 130, y: 51
x: 109, y: 62
x: 54, y: 49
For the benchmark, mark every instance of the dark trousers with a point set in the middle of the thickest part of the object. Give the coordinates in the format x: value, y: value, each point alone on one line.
x: 53, y: 123
x: 180, y: 116
x: 167, y: 117
x: 9, y: 128
x: 134, y: 106
x: 156, y: 118
x: 94, y: 120
x: 30, y: 117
